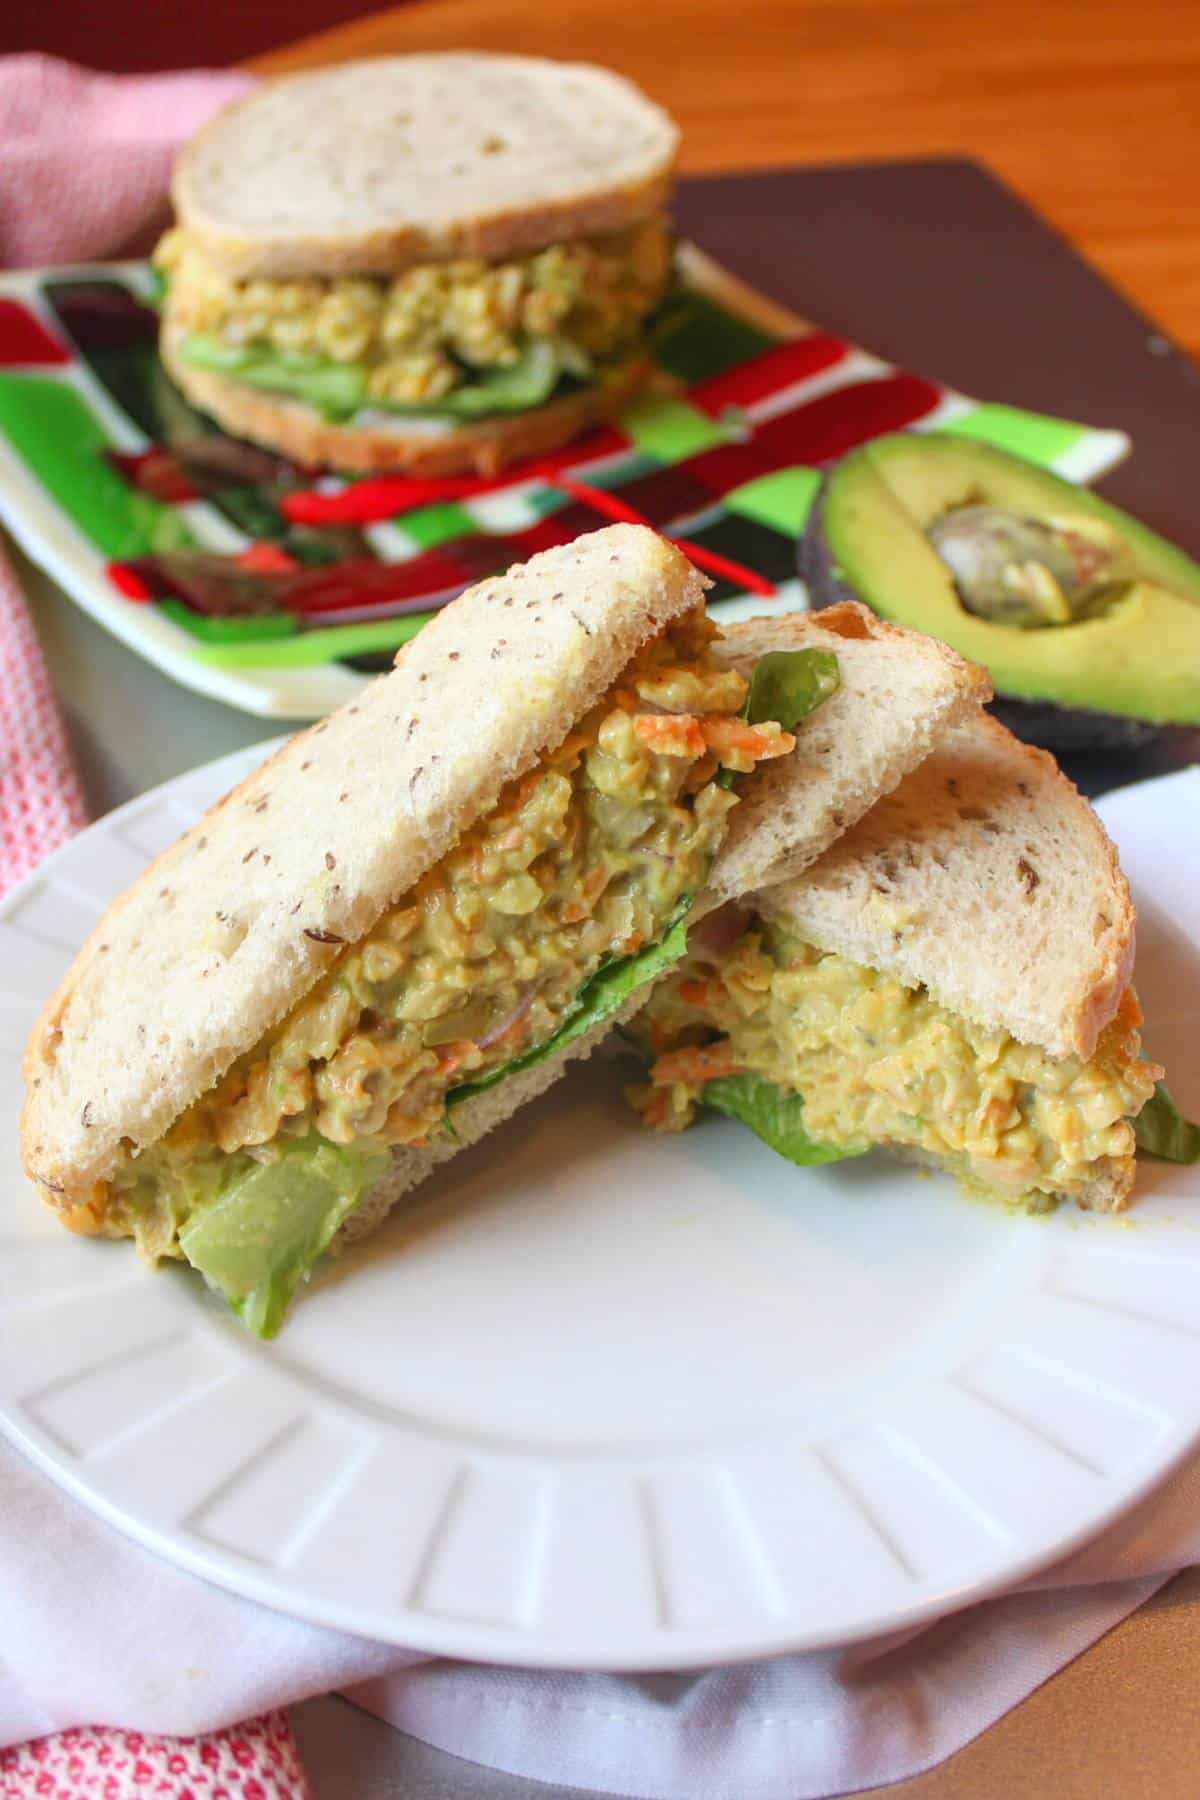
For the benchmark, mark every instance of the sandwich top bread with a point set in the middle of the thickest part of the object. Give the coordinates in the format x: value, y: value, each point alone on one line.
x: 371, y: 168
x: 951, y: 979
x: 428, y: 262
x: 403, y: 923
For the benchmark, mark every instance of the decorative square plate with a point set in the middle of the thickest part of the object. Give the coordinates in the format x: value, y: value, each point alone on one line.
x: 256, y: 582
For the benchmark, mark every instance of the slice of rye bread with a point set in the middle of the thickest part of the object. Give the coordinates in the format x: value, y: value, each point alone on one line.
x: 485, y: 446
x: 987, y: 879
x: 899, y: 693
x: 234, y: 923
x: 370, y: 168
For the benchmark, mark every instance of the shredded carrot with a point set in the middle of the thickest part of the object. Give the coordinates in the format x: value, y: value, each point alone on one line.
x: 670, y: 734
x: 695, y: 1064
x: 693, y: 992
x: 657, y: 1109
x: 726, y: 735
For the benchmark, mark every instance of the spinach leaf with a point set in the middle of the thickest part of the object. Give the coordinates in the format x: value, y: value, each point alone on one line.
x: 1161, y: 1130
x: 787, y: 685
x: 604, y: 994
x: 774, y: 1114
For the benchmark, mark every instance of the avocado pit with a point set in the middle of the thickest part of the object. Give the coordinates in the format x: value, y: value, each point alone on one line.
x: 1028, y: 572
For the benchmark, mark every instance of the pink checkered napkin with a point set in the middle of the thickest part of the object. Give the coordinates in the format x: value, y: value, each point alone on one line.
x: 41, y: 803
x: 257, y: 1761
x: 86, y: 164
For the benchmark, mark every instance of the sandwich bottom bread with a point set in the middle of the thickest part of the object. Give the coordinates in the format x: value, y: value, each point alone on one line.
x: 429, y: 445
x: 950, y: 981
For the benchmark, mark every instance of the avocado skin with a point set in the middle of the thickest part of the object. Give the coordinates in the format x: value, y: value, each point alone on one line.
x: 1069, y: 729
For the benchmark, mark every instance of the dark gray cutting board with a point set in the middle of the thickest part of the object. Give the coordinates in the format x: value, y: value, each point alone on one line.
x: 939, y: 267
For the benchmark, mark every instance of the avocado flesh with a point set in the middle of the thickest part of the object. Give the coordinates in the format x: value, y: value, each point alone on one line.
x: 1140, y: 658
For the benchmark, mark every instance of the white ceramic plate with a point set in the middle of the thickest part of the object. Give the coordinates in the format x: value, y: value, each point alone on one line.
x: 606, y: 1400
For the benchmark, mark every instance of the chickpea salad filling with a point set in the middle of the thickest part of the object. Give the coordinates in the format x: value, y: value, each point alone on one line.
x: 562, y: 900
x: 457, y: 339
x: 825, y: 1058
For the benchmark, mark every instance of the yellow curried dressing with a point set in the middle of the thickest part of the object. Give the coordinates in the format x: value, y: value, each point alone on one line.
x: 879, y: 1063
x: 420, y: 334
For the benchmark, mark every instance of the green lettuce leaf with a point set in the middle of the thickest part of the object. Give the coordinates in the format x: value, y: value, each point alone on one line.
x: 258, y: 1240
x: 787, y: 685
x: 1161, y: 1130
x: 526, y: 383
x: 603, y: 995
x: 339, y: 390
x: 336, y: 390
x: 774, y: 1114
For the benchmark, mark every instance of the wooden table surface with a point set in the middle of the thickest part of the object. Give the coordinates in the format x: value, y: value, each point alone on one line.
x: 1090, y: 109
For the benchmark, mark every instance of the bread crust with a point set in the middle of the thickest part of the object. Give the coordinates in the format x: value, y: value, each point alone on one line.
x: 899, y: 693
x: 373, y: 167
x: 232, y: 925
x: 483, y: 447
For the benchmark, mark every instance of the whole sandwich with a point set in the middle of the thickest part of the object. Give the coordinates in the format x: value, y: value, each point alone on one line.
x: 951, y: 980
x: 403, y: 925
x: 429, y: 263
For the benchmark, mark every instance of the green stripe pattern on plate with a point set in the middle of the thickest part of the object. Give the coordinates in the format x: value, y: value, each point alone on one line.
x: 306, y: 649
x: 1032, y: 435
x: 63, y: 444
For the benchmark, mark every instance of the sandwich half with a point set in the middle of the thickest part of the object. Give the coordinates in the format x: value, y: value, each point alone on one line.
x: 429, y: 263
x: 951, y: 981
x: 403, y: 925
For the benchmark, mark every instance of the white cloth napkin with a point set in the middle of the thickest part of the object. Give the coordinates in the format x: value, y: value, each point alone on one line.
x: 94, y: 1629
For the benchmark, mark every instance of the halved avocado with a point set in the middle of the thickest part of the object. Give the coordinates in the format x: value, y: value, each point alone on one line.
x: 1113, y: 657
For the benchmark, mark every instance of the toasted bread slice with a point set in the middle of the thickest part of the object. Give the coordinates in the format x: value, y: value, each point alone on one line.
x: 370, y: 168
x: 484, y: 446
x: 987, y: 879
x: 232, y: 925
x: 899, y: 694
